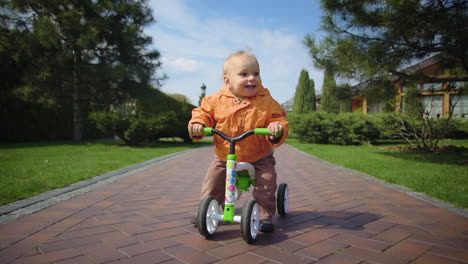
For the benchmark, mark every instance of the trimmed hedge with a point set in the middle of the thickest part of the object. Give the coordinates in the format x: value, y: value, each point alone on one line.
x: 338, y: 129
x: 154, y: 115
x: 353, y: 128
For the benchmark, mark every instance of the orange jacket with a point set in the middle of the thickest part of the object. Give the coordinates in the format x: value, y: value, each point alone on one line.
x: 225, y: 112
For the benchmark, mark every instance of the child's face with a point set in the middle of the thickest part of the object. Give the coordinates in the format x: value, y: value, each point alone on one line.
x: 243, y: 76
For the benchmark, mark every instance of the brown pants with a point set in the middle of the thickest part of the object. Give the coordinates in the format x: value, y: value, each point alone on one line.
x: 264, y: 192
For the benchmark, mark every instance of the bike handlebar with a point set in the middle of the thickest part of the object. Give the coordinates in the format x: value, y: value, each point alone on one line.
x: 233, y: 140
x: 256, y: 131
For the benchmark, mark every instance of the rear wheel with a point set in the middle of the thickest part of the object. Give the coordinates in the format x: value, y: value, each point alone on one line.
x: 250, y: 220
x: 282, y: 199
x: 206, y: 222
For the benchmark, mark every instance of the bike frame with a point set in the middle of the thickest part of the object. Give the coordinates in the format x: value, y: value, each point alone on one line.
x: 236, y: 181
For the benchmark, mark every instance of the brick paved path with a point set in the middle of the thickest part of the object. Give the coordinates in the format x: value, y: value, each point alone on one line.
x: 335, y: 217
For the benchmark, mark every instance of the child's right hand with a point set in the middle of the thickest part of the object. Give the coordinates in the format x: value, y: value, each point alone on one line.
x: 195, y: 129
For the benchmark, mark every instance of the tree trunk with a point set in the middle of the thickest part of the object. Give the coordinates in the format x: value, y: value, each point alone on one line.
x: 77, y: 107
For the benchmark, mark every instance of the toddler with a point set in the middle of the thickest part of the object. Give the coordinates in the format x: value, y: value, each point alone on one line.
x: 242, y: 104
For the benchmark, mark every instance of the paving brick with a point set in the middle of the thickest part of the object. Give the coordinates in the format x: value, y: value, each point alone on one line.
x: 304, y: 227
x: 77, y: 233
x: 392, y: 235
x: 140, y: 248
x: 71, y: 243
x: 168, y: 224
x: 132, y: 228
x: 160, y: 234
x: 361, y: 242
x: 244, y: 258
x: 198, y: 242
x: 101, y: 253
x: 338, y: 258
x: 316, y: 236
x: 232, y: 249
x: 152, y: 257
x: 290, y: 245
x: 433, y: 259
x: 117, y: 239
x: 322, y: 249
x: 76, y: 260
x: 173, y: 261
x: 49, y: 257
x: 281, y: 256
x: 458, y: 254
x: 373, y: 256
x: 16, y: 250
x: 408, y: 249
x: 378, y: 226
x: 190, y: 255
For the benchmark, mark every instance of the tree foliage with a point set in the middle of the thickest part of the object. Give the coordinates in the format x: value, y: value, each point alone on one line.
x: 367, y: 40
x: 304, y: 99
x: 80, y: 56
x: 311, y: 97
x: 329, y: 102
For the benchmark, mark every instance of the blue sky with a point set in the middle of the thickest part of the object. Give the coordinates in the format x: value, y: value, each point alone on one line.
x: 195, y: 36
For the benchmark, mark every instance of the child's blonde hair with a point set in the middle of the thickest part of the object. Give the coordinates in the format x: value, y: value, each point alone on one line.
x: 238, y: 54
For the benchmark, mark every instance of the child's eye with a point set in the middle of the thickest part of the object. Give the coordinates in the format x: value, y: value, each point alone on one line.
x: 256, y: 74
x: 243, y: 74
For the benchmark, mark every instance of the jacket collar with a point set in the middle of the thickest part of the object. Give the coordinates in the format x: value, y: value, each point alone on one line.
x: 227, y: 92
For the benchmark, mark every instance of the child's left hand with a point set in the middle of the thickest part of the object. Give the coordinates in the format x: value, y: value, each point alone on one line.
x: 275, y: 129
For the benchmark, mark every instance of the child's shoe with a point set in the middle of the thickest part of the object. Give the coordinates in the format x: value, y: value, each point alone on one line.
x: 266, y: 226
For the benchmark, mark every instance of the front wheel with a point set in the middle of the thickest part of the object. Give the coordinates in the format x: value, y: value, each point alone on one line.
x: 250, y: 220
x: 206, y: 222
x: 282, y: 199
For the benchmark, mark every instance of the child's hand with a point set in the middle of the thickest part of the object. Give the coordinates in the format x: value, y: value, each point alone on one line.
x: 275, y: 129
x: 195, y: 129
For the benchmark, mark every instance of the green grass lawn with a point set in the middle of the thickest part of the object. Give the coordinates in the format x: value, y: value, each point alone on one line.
x: 33, y: 168
x: 443, y: 176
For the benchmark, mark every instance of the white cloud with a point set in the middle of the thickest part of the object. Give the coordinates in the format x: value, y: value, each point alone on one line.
x: 194, y: 49
x: 181, y: 64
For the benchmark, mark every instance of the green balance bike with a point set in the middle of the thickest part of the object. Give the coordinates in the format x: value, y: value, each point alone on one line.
x: 239, y: 177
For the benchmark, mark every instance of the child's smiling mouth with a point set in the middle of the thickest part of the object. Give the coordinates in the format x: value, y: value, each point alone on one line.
x: 251, y: 86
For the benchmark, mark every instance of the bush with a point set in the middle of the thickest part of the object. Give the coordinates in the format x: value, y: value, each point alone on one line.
x: 397, y: 125
x: 135, y: 130
x: 338, y: 129
x: 457, y: 129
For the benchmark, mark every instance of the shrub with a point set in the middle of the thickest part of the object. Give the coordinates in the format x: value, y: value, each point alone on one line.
x: 339, y: 129
x: 457, y: 129
x: 135, y: 130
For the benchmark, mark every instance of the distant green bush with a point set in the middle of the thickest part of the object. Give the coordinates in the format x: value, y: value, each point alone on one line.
x: 153, y: 116
x: 338, y: 129
x: 457, y: 129
x: 353, y: 128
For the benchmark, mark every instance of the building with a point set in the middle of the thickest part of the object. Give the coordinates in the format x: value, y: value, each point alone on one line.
x: 439, y: 97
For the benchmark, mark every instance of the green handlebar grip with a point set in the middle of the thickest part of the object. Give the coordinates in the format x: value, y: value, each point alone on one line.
x: 265, y: 132
x: 207, y: 130
x: 262, y: 131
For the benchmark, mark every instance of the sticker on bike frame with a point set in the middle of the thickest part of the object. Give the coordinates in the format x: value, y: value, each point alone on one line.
x: 231, y: 176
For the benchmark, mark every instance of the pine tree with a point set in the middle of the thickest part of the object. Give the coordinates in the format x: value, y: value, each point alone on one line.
x: 329, y: 102
x: 311, y: 96
x: 301, y: 93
